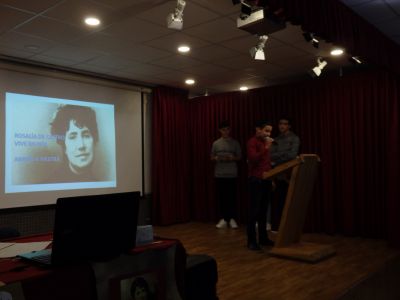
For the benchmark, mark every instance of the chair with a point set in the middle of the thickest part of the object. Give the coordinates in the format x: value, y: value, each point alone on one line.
x: 201, y: 277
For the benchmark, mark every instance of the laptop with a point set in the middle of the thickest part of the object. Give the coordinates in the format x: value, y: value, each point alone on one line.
x: 91, y: 228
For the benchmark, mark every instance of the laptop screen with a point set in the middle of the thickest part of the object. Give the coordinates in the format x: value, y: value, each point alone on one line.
x: 96, y: 227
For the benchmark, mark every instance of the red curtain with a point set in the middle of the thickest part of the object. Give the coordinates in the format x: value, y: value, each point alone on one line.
x: 171, y: 180
x: 392, y: 162
x: 351, y: 122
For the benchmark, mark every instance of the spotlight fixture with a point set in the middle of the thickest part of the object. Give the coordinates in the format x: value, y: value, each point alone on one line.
x: 257, y: 52
x: 337, y: 52
x: 316, y: 71
x: 310, y: 37
x: 190, y: 81
x: 355, y: 60
x: 175, y: 19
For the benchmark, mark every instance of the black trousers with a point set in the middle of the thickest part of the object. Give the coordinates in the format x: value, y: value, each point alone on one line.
x: 226, y: 195
x: 278, y: 202
x: 260, y: 192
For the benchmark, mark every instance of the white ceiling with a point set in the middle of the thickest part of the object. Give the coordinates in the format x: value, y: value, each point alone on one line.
x: 133, y: 42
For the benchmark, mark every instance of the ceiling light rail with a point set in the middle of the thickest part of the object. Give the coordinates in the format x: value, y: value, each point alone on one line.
x: 311, y: 38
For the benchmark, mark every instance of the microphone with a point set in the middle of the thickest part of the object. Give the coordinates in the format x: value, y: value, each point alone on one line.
x: 269, y: 139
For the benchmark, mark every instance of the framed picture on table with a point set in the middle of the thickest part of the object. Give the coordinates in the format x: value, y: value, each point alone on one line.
x: 146, y: 285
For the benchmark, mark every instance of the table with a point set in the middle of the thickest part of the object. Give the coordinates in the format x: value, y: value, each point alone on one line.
x: 162, y: 263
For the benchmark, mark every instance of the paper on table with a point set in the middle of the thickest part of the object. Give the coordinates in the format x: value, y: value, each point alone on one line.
x: 5, y: 245
x: 19, y: 248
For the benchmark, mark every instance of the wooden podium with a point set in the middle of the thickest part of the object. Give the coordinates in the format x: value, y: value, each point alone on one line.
x: 303, y: 170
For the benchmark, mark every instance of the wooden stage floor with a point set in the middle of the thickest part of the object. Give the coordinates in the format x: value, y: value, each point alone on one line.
x: 248, y: 275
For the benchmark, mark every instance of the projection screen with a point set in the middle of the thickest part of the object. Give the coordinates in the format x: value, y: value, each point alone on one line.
x: 66, y: 135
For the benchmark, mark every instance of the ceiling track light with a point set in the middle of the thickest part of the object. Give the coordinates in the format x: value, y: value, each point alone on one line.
x: 310, y: 37
x: 257, y: 52
x: 355, y: 60
x: 316, y: 71
x: 175, y: 19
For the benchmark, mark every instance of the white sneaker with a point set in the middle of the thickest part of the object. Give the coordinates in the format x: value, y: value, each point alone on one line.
x: 221, y: 224
x: 233, y: 224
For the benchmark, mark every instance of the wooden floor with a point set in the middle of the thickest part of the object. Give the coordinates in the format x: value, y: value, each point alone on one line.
x: 248, y: 275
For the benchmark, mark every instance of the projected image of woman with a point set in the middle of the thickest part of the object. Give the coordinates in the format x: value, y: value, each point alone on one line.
x: 75, y: 129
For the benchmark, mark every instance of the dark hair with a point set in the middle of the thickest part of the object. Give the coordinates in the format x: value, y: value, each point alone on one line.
x: 286, y: 118
x: 142, y: 283
x: 82, y: 115
x: 224, y: 124
x: 262, y: 123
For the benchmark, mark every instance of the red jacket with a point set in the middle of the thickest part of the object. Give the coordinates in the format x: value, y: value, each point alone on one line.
x: 258, y: 158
